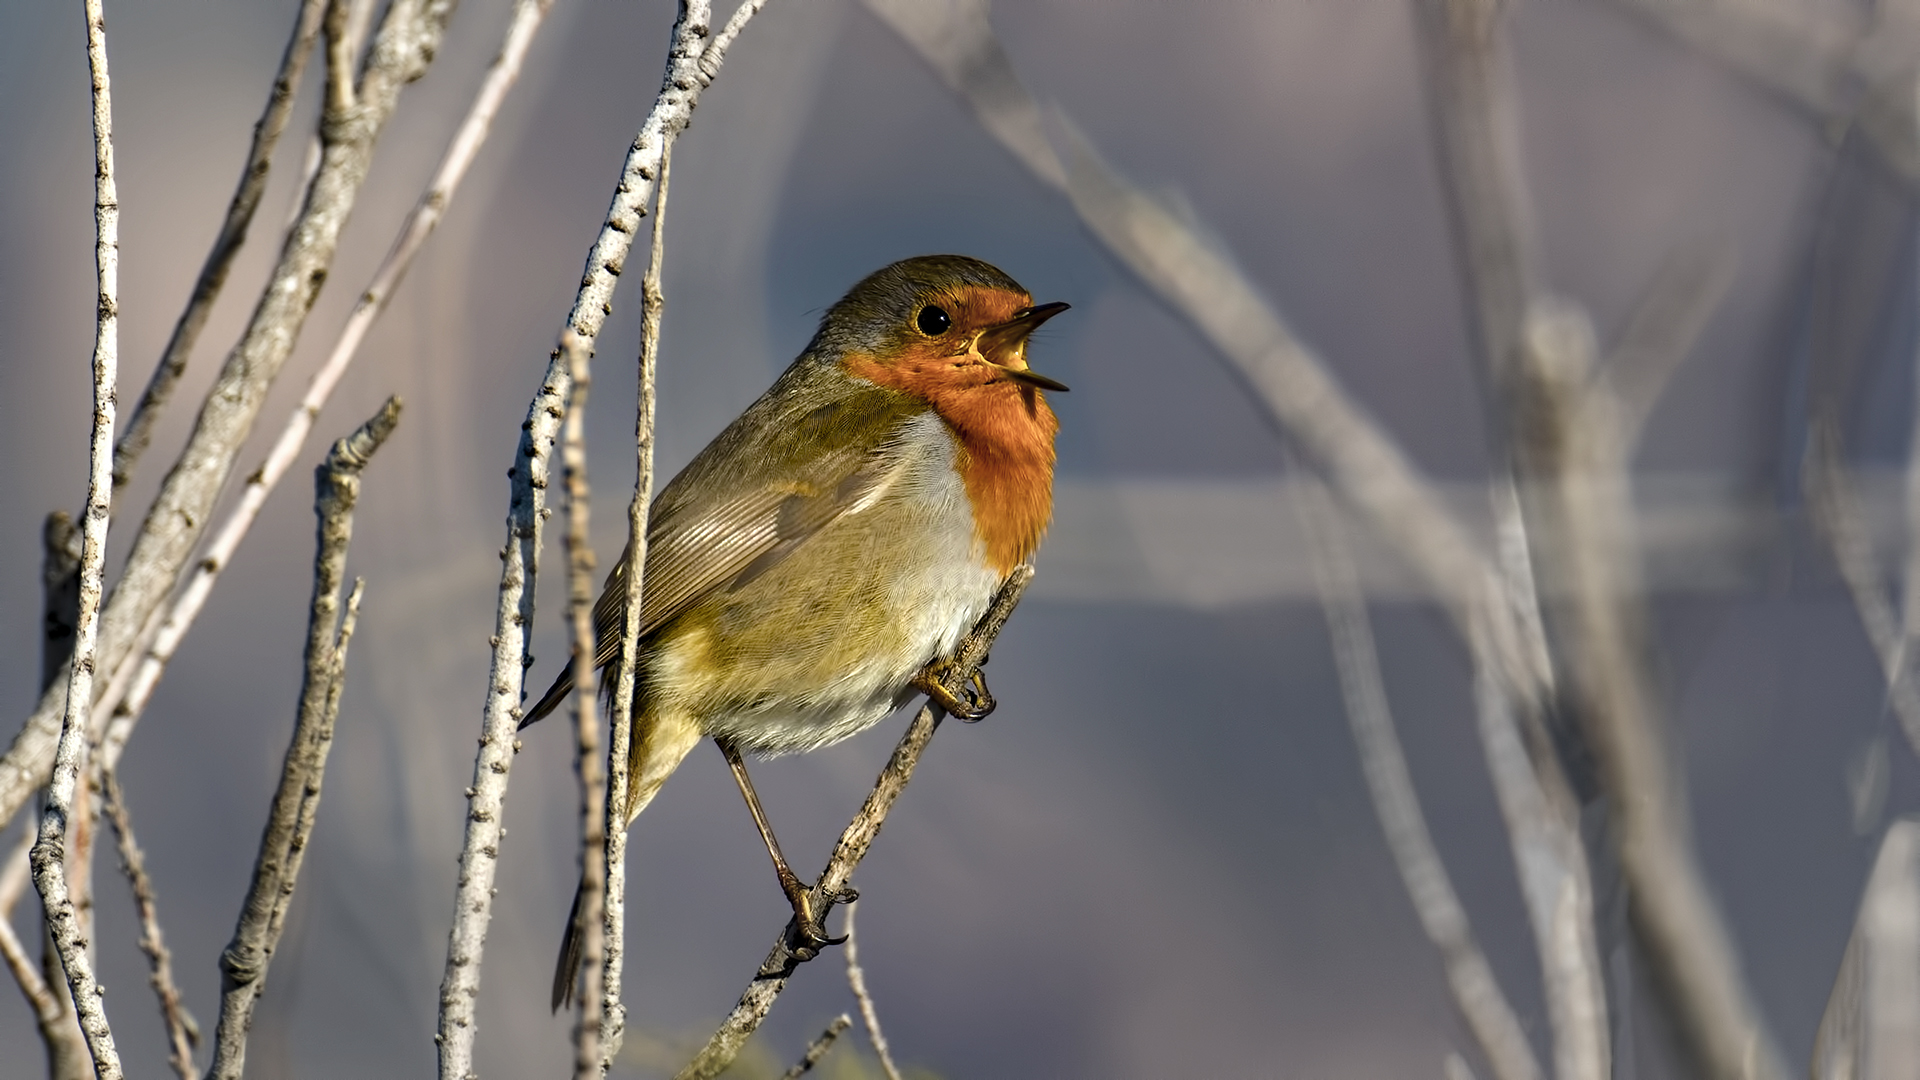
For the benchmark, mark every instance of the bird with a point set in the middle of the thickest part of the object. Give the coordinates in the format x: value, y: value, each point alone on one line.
x: 816, y: 565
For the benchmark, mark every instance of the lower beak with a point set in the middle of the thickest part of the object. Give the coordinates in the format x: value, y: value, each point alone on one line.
x: 1007, y: 338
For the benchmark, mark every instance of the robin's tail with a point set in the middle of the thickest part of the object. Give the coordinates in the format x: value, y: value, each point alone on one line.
x: 661, y: 741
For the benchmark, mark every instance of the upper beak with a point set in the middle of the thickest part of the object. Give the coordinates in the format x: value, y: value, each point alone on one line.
x: 1006, y: 340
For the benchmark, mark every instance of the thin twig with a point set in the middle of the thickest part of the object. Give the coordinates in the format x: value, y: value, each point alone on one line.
x: 857, y: 980
x: 232, y: 236
x: 691, y: 65
x: 588, y: 1060
x: 613, y: 1012
x: 408, y: 38
x: 818, y: 1048
x: 135, y: 681
x: 1868, y: 1031
x: 182, y: 1032
x: 49, y: 855
x: 771, y: 978
x: 1475, y: 990
x: 296, y: 803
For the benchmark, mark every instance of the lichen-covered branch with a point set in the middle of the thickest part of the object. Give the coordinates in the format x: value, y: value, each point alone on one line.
x: 296, y: 802
x: 233, y: 235
x: 692, y: 63
x: 65, y: 923
x: 771, y: 978
x: 135, y: 681
x: 408, y: 38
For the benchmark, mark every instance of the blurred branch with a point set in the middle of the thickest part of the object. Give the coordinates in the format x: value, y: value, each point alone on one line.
x: 1475, y: 990
x: 1663, y: 329
x: 1838, y: 516
x: 49, y: 1010
x: 1197, y: 280
x: 226, y: 245
x: 692, y: 64
x: 134, y: 682
x: 409, y: 35
x: 1812, y: 58
x: 589, y: 1061
x: 857, y: 981
x: 613, y: 1014
x: 1869, y: 1031
x: 831, y: 887
x: 818, y: 1048
x: 1476, y: 114
x: 296, y: 803
x: 1589, y: 527
x: 182, y: 1032
x: 63, y: 892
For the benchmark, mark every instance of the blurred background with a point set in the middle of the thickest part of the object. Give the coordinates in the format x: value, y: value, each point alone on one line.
x: 1158, y: 857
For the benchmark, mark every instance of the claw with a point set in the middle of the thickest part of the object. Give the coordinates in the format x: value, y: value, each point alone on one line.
x: 972, y: 709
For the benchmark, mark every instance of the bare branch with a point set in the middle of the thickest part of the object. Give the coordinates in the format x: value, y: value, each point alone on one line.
x: 613, y: 1013
x: 134, y: 682
x: 818, y: 1048
x: 725, y: 1043
x: 409, y: 35
x: 857, y: 980
x: 182, y: 1032
x: 1868, y: 1031
x: 1475, y: 990
x: 588, y: 1062
x: 68, y: 926
x: 233, y: 235
x: 689, y: 70
x: 296, y: 803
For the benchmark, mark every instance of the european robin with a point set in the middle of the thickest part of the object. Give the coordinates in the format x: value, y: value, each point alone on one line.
x: 811, y: 567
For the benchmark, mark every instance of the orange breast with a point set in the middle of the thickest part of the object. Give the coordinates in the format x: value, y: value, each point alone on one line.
x: 1006, y: 449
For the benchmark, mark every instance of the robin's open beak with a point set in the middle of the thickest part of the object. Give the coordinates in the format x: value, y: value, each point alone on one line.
x: 1004, y: 346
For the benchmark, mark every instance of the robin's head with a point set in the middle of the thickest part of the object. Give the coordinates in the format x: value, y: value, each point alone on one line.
x: 936, y: 325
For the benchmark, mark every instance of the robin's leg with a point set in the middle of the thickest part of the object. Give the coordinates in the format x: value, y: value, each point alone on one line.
x: 813, y: 934
x: 977, y: 703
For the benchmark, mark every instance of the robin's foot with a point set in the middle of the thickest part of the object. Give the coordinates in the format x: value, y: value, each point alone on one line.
x: 810, y: 931
x: 971, y: 705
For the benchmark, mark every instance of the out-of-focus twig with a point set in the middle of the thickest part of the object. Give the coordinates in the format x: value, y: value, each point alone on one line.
x: 1475, y: 990
x: 1838, y: 515
x: 771, y: 978
x: 232, y: 236
x: 692, y: 63
x: 818, y: 1048
x: 588, y: 1060
x: 1589, y: 526
x: 1663, y: 329
x: 296, y: 803
x: 1871, y: 1027
x: 182, y: 1032
x: 857, y: 981
x: 407, y: 40
x: 60, y: 897
x: 1809, y: 55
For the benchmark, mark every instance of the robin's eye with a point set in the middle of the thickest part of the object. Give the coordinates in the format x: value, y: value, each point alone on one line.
x: 932, y: 321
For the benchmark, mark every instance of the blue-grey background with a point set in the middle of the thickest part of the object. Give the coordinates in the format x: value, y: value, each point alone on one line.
x: 1157, y: 859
